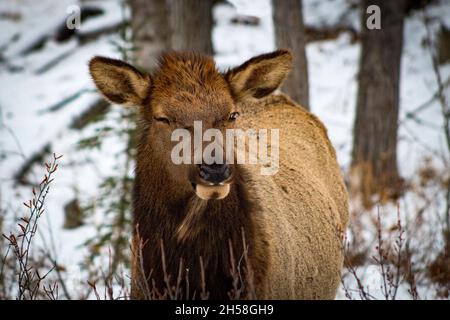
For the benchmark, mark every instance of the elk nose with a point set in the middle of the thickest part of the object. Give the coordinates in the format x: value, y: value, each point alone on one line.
x: 215, y: 173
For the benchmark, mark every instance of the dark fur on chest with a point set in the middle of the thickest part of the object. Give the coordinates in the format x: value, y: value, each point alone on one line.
x: 218, y: 225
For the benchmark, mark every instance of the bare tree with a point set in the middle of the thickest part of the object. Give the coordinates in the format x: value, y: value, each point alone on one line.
x: 151, y: 30
x: 290, y: 34
x: 374, y: 156
x: 192, y: 22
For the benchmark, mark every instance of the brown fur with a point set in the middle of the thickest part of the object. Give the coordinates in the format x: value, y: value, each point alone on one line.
x: 292, y: 221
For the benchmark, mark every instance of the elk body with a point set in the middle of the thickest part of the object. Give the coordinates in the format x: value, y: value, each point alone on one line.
x: 284, y: 231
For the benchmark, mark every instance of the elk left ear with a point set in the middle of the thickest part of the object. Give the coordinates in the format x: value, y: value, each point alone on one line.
x: 120, y: 82
x: 259, y: 76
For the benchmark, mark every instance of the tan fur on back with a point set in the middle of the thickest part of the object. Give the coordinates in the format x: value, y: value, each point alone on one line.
x: 304, y: 205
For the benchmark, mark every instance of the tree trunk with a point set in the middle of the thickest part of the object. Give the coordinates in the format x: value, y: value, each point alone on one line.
x: 192, y: 22
x: 151, y: 31
x: 374, y: 155
x: 290, y: 34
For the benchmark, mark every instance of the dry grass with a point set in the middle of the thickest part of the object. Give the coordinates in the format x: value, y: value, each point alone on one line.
x: 404, y: 247
x: 177, y: 287
x: 26, y: 270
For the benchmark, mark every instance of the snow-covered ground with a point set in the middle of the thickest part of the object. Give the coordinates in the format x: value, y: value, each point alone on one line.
x: 27, y: 94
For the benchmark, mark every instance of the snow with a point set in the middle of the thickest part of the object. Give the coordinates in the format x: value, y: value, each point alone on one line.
x: 234, y: 44
x: 329, y: 13
x: 114, y: 13
x: 26, y: 94
x: 30, y: 26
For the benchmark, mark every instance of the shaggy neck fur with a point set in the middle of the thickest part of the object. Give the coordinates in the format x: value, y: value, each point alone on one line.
x: 193, y: 229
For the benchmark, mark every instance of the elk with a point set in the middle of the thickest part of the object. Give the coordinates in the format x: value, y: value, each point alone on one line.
x: 199, y: 218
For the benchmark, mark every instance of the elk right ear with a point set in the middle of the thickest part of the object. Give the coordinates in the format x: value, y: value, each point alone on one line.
x: 259, y: 76
x: 120, y: 82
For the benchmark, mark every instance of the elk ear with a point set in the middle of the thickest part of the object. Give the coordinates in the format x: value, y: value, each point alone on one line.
x: 259, y: 76
x: 120, y: 82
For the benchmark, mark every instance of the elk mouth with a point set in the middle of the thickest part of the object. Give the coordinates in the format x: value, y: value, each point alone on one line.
x: 211, y: 183
x: 212, y: 191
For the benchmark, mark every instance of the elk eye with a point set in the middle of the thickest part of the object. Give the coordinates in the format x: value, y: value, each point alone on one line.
x: 233, y: 116
x: 163, y: 120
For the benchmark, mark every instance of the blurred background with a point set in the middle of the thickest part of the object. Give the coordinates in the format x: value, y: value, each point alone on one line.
x: 382, y: 93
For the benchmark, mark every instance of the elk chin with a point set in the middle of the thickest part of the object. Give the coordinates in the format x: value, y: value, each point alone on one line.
x: 216, y: 192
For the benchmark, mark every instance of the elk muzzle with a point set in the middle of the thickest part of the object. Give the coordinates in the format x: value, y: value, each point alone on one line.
x: 215, y: 173
x: 214, y: 181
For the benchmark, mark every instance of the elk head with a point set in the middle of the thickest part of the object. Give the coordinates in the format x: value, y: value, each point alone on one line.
x: 188, y: 88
